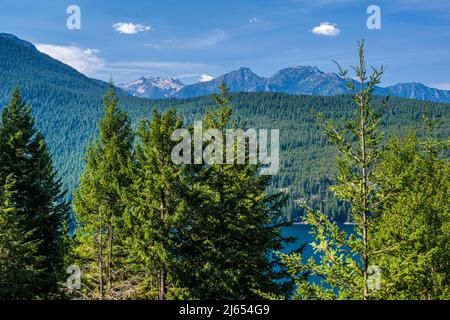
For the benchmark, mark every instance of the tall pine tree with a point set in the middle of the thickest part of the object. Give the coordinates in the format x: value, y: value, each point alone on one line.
x: 226, y: 248
x: 37, y: 198
x: 344, y: 263
x: 157, y: 207
x: 19, y: 270
x: 99, y: 203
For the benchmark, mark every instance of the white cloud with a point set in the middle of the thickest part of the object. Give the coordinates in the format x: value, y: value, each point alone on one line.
x: 441, y: 85
x: 326, y: 29
x: 253, y: 20
x: 130, y: 28
x: 205, y: 78
x: 186, y: 75
x: 83, y: 60
x: 88, y: 62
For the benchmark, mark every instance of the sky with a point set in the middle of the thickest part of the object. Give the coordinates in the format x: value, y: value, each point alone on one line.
x: 199, y: 39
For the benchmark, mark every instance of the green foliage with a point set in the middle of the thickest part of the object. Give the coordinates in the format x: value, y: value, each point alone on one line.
x: 414, y: 228
x: 156, y: 208
x: 32, y: 194
x: 226, y: 246
x: 399, y: 197
x: 67, y: 107
x: 150, y: 229
x: 344, y: 261
x: 99, y: 203
x: 201, y: 231
x: 19, y: 273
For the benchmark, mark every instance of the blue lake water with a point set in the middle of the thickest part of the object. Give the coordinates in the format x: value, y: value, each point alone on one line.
x: 302, y: 233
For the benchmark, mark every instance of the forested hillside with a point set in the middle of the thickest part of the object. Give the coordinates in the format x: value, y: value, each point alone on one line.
x: 307, y: 159
x: 67, y: 106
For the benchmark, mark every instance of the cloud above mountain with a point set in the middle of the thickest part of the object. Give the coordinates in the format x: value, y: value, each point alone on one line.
x: 205, y: 78
x: 84, y: 60
x: 131, y: 28
x: 441, y: 85
x: 326, y: 29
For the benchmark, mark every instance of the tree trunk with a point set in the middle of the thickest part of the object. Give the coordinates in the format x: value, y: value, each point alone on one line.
x: 163, y: 285
x: 110, y: 250
x: 364, y: 192
x: 163, y: 273
x: 100, y: 258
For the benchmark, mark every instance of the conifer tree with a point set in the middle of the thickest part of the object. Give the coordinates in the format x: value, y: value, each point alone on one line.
x: 345, y: 260
x: 99, y: 203
x: 227, y: 244
x: 414, y: 227
x: 37, y: 195
x: 156, y: 206
x: 19, y: 273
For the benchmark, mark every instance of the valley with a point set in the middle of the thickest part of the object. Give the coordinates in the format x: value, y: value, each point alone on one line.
x: 67, y: 106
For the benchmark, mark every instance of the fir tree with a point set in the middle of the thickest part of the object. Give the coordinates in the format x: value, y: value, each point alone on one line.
x: 37, y: 197
x: 414, y: 227
x: 345, y: 259
x: 156, y: 206
x: 226, y: 247
x: 19, y: 273
x: 99, y: 202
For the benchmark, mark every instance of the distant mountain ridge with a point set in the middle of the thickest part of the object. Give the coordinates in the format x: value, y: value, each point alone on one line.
x: 415, y: 90
x: 65, y: 102
x: 16, y: 40
x: 68, y: 105
x: 300, y: 80
x: 306, y: 80
x: 153, y: 87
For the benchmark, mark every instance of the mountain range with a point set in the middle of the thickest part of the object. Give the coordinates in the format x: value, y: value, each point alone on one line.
x: 67, y: 106
x: 305, y: 80
x: 153, y: 87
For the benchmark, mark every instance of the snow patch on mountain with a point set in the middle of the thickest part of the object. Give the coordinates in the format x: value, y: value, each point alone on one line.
x: 152, y: 87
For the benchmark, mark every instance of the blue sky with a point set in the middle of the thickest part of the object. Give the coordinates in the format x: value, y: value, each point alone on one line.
x: 195, y: 40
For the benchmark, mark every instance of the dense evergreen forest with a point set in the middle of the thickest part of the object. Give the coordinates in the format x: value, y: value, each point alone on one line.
x: 305, y: 166
x: 67, y: 106
x: 147, y: 228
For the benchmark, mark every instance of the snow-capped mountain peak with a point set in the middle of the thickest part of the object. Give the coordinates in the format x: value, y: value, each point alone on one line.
x: 153, y: 87
x: 308, y: 80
